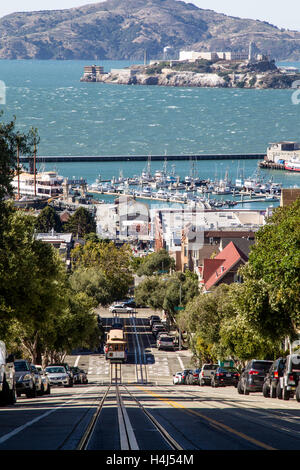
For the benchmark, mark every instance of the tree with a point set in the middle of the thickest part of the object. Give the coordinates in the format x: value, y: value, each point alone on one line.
x: 12, y: 143
x: 81, y: 223
x: 102, y: 270
x: 167, y: 292
x: 272, y: 276
x: 156, y: 263
x: 47, y: 220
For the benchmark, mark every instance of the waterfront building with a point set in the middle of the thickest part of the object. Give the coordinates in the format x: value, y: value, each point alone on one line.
x: 285, y: 151
x: 44, y: 184
x: 91, y: 72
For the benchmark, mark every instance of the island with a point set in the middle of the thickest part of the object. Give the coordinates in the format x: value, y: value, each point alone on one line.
x: 260, y: 73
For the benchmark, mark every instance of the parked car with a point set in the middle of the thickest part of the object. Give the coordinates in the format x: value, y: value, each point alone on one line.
x: 270, y: 385
x: 80, y: 376
x: 177, y: 378
x: 25, y: 379
x: 68, y: 370
x: 120, y: 308
x: 129, y: 303
x: 289, y: 382
x: 193, y: 377
x: 206, y: 372
x: 58, y: 375
x: 157, y: 328
x: 253, y: 376
x: 223, y: 376
x: 7, y: 377
x: 46, y: 387
x: 154, y: 318
x: 165, y: 342
x: 38, y: 380
x: 185, y: 374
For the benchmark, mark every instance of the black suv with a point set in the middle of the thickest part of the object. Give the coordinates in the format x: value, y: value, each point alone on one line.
x: 270, y: 386
x: 223, y: 376
x: 253, y: 376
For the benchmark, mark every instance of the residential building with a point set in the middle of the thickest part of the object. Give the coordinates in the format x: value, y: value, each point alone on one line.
x: 223, y: 268
x: 191, y: 235
x: 63, y: 242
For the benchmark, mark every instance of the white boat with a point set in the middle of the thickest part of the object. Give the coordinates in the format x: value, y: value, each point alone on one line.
x: 292, y: 165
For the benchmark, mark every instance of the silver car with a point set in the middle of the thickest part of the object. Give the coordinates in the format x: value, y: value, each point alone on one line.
x: 58, y: 376
x: 120, y: 308
x: 46, y: 386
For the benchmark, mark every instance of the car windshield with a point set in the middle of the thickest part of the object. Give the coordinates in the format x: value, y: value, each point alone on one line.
x: 210, y: 367
x: 166, y: 339
x: 262, y: 365
x: 55, y: 370
x: 21, y: 366
x: 296, y: 364
x: 228, y: 369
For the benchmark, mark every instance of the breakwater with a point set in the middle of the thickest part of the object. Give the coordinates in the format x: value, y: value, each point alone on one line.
x: 124, y: 158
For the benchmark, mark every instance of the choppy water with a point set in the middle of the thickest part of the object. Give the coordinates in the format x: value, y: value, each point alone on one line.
x: 75, y: 118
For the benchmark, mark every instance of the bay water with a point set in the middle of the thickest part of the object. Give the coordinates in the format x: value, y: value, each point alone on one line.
x: 77, y: 118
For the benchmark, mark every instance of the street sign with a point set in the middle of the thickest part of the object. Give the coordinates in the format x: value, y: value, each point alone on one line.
x: 178, y: 308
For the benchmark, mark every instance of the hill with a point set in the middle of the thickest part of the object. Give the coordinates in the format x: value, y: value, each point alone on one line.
x: 124, y: 29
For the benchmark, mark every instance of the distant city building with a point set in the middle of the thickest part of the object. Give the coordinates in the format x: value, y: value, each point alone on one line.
x: 252, y: 55
x: 91, y: 72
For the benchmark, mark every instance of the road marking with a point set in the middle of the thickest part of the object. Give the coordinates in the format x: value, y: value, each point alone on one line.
x: 29, y: 423
x: 76, y: 362
x: 210, y: 420
x: 180, y: 362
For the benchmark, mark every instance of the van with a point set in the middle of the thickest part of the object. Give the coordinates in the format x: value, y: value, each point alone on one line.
x: 7, y: 377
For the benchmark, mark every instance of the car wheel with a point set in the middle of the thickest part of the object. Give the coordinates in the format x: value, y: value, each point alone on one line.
x: 272, y: 391
x: 31, y: 393
x: 48, y: 390
x: 279, y: 391
x: 245, y: 390
x: 201, y: 383
x: 285, y: 394
x: 298, y: 393
x: 266, y: 391
x: 239, y: 388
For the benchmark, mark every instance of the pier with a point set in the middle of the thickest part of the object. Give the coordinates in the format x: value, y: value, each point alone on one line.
x: 133, y: 158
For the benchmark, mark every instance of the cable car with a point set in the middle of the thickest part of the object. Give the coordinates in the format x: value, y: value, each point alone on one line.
x: 116, y: 346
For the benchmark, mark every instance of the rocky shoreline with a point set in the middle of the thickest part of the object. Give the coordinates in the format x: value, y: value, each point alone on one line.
x: 242, y: 77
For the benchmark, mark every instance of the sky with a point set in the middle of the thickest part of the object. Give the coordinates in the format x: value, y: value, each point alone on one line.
x: 282, y: 14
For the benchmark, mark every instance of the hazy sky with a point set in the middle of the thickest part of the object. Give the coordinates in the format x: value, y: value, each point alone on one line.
x: 283, y: 14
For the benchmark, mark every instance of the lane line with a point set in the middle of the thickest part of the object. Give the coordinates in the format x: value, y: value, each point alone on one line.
x: 16, y: 431
x: 210, y: 420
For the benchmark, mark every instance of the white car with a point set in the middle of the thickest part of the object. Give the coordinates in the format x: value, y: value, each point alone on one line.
x: 120, y: 308
x: 58, y: 375
x: 177, y: 378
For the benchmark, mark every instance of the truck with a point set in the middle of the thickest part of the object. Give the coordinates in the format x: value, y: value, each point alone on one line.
x: 7, y: 377
x: 289, y: 383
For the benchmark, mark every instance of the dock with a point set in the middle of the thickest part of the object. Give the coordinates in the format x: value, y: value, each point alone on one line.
x: 136, y: 158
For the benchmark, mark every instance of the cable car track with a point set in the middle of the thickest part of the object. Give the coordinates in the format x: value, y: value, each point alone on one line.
x: 128, y: 440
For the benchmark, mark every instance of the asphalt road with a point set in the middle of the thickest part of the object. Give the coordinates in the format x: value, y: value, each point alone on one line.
x: 197, y: 418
